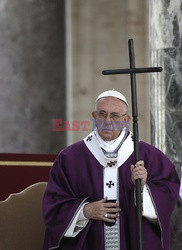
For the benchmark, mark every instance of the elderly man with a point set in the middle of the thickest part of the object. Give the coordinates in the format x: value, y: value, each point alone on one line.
x: 89, y: 202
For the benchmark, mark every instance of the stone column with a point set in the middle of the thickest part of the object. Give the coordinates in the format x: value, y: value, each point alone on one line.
x: 32, y: 75
x: 166, y: 87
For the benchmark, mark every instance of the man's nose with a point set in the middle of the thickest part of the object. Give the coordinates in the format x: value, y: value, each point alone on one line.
x: 108, y: 118
x: 107, y: 122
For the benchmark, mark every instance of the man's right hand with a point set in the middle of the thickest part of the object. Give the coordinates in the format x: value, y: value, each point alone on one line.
x: 102, y: 210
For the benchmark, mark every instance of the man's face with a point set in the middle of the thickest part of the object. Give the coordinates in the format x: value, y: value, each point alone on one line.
x: 110, y: 116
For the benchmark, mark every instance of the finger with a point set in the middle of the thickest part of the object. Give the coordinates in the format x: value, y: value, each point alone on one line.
x: 139, y: 163
x: 132, y: 167
x: 110, y: 220
x: 110, y: 217
x: 114, y: 210
x: 137, y: 173
x: 117, y: 204
x: 141, y: 172
x: 103, y: 200
x: 138, y: 167
x: 111, y: 204
x: 139, y: 176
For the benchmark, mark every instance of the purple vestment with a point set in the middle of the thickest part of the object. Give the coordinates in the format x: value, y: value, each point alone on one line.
x: 77, y: 177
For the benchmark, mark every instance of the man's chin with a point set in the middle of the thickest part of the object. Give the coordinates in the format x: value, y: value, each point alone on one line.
x: 107, y: 135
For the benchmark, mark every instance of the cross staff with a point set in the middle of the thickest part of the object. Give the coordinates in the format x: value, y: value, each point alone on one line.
x: 133, y: 71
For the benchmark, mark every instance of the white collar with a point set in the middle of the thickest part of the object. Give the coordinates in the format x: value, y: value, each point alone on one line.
x: 109, y: 146
x: 124, y: 151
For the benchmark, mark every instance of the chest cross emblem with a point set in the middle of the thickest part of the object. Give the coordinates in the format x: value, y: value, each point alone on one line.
x: 89, y: 138
x: 111, y: 163
x: 110, y: 184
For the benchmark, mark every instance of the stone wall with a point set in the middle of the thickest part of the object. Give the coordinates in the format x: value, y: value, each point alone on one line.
x: 32, y: 75
x: 99, y: 33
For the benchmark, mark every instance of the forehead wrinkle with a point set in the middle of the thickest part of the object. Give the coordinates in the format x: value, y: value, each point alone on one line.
x: 111, y: 104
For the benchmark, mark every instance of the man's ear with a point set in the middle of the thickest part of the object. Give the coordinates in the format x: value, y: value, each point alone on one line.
x: 94, y: 115
x: 127, y: 118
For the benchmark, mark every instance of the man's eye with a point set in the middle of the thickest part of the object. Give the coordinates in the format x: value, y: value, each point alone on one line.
x: 115, y: 116
x: 103, y: 114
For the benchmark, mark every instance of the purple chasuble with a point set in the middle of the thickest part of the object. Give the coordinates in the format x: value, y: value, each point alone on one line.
x: 77, y: 176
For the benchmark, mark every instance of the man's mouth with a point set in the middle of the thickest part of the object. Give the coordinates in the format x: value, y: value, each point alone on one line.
x: 107, y: 130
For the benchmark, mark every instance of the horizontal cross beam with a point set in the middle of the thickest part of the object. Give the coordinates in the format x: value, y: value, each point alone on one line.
x: 131, y: 70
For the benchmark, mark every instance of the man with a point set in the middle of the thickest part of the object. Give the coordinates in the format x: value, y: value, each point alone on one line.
x: 89, y: 203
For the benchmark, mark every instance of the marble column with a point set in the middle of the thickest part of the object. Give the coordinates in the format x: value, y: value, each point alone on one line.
x: 166, y: 87
x: 32, y: 75
x: 166, y: 91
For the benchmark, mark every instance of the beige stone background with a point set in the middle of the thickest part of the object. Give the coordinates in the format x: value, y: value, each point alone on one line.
x: 97, y: 39
x: 52, y: 53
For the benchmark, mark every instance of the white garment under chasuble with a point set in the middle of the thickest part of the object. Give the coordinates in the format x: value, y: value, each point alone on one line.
x: 111, y: 151
x: 112, y: 233
x: 110, y: 183
x: 112, y: 239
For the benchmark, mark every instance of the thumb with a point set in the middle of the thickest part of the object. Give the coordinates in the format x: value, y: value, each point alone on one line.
x: 103, y: 200
x: 132, y: 167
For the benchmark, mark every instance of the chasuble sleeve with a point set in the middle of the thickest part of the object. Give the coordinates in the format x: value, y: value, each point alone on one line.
x: 163, y: 187
x: 77, y: 224
x: 61, y: 203
x: 180, y: 192
x: 148, y: 206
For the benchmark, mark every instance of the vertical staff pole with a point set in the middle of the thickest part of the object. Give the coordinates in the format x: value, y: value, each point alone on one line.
x: 136, y: 141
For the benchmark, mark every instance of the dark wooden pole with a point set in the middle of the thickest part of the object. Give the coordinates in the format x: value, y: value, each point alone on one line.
x: 135, y: 140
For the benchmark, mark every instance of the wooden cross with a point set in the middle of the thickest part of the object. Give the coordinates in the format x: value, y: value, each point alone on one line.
x: 133, y: 71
